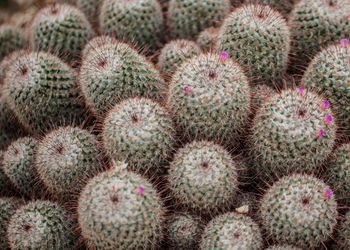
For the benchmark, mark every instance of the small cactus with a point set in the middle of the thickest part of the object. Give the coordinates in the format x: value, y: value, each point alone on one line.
x: 91, y: 9
x: 11, y: 38
x: 96, y: 43
x: 208, y: 38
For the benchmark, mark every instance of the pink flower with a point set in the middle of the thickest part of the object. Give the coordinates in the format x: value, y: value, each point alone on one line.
x: 326, y: 103
x: 186, y: 88
x: 300, y: 90
x: 328, y: 192
x: 329, y: 118
x: 140, y: 190
x: 321, y: 132
x: 344, y: 42
x: 224, y: 54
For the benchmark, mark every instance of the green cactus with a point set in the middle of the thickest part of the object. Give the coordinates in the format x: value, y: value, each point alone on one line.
x: 284, y: 6
x: 204, y: 177
x: 184, y: 231
x: 283, y: 247
x: 4, y: 180
x: 174, y: 53
x: 317, y: 23
x: 40, y: 225
x: 208, y: 38
x: 338, y: 169
x: 66, y: 158
x: 95, y: 43
x: 209, y: 96
x: 187, y: 18
x: 120, y: 210
x: 91, y: 9
x: 115, y: 72
x: 43, y: 81
x: 329, y: 73
x: 231, y: 231
x: 139, y: 132
x: 60, y: 29
x: 18, y: 165
x: 259, y: 38
x: 11, y: 38
x: 138, y: 20
x: 299, y: 209
x: 294, y: 130
x: 8, y: 206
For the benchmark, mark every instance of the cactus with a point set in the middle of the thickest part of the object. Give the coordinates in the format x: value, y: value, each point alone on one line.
x: 208, y: 38
x: 184, y: 231
x: 283, y: 247
x: 40, y: 225
x: 8, y: 60
x: 11, y: 38
x: 60, y: 29
x: 8, y: 206
x: 294, y: 130
x: 140, y: 132
x: 42, y: 81
x: 95, y: 43
x: 18, y: 165
x: 91, y: 9
x: 329, y: 73
x: 120, y: 210
x: 259, y: 38
x: 338, y: 170
x: 299, y: 209
x: 344, y: 233
x: 209, y: 96
x: 174, y: 53
x: 187, y: 18
x: 203, y: 177
x: 139, y: 20
x: 317, y: 23
x: 115, y: 72
x: 4, y: 180
x: 284, y: 6
x: 66, y: 158
x: 231, y: 231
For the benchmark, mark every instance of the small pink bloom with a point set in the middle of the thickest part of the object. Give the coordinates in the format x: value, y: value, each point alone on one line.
x: 328, y: 192
x: 344, y: 42
x: 329, y: 118
x: 321, y: 132
x: 224, y: 54
x: 140, y: 190
x: 326, y: 103
x: 300, y: 90
x: 186, y: 88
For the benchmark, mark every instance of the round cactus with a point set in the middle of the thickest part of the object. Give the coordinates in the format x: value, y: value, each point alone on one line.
x: 284, y: 6
x: 184, y: 231
x: 339, y: 170
x: 4, y: 180
x: 40, y: 225
x: 187, y: 18
x: 283, y: 247
x: 317, y: 23
x: 344, y: 233
x: 231, y: 231
x: 18, y: 165
x: 8, y: 60
x: 11, y: 38
x: 294, y: 130
x: 209, y: 96
x: 204, y: 177
x: 299, y: 209
x: 208, y: 38
x: 139, y: 20
x: 174, y: 53
x: 91, y: 9
x: 139, y: 132
x: 66, y: 158
x: 60, y: 29
x: 8, y: 206
x: 120, y: 210
x: 259, y: 38
x: 95, y: 43
x: 329, y: 73
x: 115, y: 72
x: 42, y: 81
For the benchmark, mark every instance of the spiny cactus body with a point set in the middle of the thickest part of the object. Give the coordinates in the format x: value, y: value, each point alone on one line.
x: 60, y: 29
x: 284, y: 6
x: 187, y: 18
x: 140, y: 132
x: 174, y: 53
x: 120, y: 210
x: 11, y: 38
x: 40, y: 225
x: 115, y: 72
x: 18, y: 164
x: 203, y: 176
x: 259, y: 38
x: 42, y: 92
x: 231, y: 231
x: 294, y: 130
x: 91, y: 9
x: 283, y: 247
x: 329, y: 73
x: 299, y: 209
x: 95, y: 44
x: 208, y: 38
x: 209, y: 96
x: 66, y: 158
x: 317, y: 23
x: 139, y: 20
